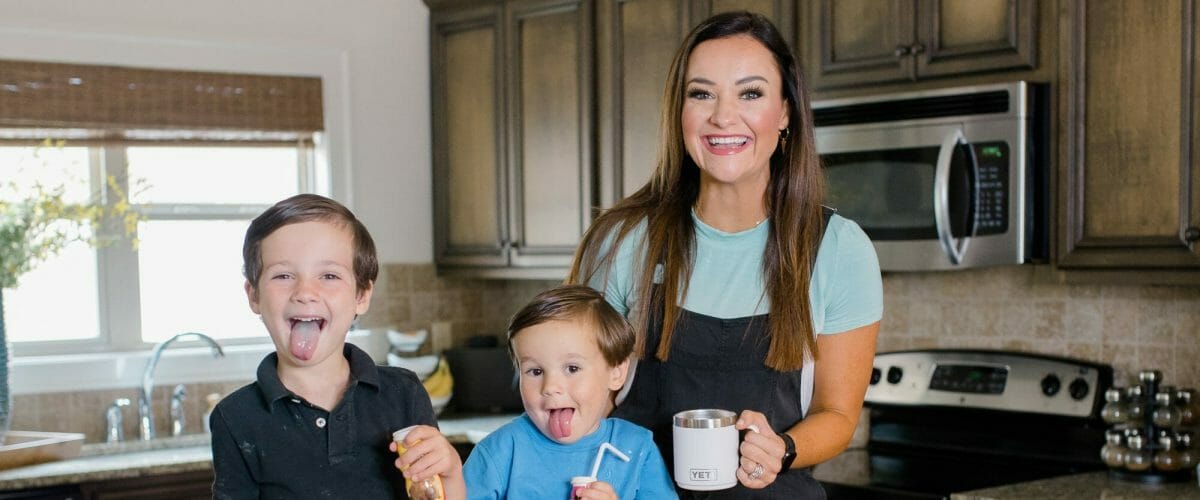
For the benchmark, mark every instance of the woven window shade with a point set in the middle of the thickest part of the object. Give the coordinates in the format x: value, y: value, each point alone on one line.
x: 112, y: 98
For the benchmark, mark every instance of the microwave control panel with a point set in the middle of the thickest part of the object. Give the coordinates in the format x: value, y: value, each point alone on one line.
x: 991, y: 210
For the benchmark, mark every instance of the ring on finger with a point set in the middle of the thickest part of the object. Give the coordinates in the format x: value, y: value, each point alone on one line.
x: 757, y: 472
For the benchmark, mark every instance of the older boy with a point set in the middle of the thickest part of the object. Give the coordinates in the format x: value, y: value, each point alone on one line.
x: 318, y: 422
x: 571, y: 350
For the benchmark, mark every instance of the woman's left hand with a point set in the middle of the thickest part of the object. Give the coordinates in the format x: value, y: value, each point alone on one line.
x: 761, y: 451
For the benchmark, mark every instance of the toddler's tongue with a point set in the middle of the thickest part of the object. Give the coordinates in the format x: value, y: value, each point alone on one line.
x: 303, y: 339
x: 560, y: 422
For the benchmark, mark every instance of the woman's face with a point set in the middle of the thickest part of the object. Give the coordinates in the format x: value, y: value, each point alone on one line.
x: 733, y: 109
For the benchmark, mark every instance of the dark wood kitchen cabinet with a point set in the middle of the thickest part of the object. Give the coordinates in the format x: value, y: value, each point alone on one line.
x: 862, y: 42
x: 1129, y: 174
x: 512, y: 137
x: 635, y: 43
x: 520, y: 158
x: 195, y: 485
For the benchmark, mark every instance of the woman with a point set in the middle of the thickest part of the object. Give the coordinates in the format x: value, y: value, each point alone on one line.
x: 730, y: 228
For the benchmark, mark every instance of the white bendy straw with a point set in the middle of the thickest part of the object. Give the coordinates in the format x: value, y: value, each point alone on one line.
x: 600, y: 455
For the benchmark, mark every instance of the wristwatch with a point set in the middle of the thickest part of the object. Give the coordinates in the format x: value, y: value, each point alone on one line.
x: 789, y: 452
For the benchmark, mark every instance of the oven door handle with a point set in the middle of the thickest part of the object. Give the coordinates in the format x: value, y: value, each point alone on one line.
x: 955, y: 249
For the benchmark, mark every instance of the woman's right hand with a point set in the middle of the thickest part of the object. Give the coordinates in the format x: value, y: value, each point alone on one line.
x: 761, y: 451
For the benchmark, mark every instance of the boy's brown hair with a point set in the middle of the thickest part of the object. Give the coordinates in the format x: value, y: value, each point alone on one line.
x: 308, y: 208
x: 577, y: 303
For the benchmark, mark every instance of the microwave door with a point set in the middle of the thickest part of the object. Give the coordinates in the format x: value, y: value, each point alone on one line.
x: 954, y: 196
x: 885, y: 178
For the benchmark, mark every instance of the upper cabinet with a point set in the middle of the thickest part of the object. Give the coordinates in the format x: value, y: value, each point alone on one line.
x: 861, y: 42
x: 1129, y: 175
x: 512, y: 138
x: 635, y: 43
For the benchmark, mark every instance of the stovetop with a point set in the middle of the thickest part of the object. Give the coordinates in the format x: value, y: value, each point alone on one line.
x: 945, y: 421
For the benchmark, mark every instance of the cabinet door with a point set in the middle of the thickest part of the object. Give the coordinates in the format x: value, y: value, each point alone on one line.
x: 969, y: 36
x: 1129, y: 185
x: 550, y: 79
x: 636, y: 40
x: 857, y: 42
x: 183, y: 486
x: 781, y: 12
x: 470, y: 205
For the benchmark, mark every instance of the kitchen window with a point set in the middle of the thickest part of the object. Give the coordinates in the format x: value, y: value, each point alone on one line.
x: 184, y: 274
x: 197, y: 155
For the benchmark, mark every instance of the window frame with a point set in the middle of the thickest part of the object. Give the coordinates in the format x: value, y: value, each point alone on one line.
x: 117, y: 265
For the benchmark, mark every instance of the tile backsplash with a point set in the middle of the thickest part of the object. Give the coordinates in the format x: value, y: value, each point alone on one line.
x: 1014, y: 308
x: 1018, y: 308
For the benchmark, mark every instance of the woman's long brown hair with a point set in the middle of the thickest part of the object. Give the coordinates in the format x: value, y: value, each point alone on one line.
x: 793, y: 201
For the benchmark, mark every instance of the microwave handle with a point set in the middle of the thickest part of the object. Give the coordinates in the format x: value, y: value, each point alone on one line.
x: 955, y: 249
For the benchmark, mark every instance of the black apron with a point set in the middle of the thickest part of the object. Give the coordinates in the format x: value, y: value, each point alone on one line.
x: 717, y: 363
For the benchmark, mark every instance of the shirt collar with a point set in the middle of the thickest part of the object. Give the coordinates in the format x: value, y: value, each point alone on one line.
x: 362, y: 370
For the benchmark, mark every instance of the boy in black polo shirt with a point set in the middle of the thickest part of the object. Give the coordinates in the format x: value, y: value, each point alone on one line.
x: 318, y: 422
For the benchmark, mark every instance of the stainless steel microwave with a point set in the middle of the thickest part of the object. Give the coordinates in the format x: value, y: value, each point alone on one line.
x: 942, y: 179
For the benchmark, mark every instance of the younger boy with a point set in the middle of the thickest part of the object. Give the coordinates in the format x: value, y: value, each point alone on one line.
x: 319, y: 420
x: 571, y: 350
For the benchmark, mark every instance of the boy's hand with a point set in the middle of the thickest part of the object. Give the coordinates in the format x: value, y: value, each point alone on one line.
x: 598, y: 490
x: 428, y: 453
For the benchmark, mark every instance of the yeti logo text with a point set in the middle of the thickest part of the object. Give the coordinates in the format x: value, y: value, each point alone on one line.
x: 703, y: 475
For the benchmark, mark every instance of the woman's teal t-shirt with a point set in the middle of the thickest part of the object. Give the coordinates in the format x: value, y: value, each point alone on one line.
x: 846, y: 291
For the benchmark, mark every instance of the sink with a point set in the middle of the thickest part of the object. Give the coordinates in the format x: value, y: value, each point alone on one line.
x: 32, y: 447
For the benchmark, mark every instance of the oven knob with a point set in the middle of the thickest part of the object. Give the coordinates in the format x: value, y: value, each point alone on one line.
x: 1078, y: 389
x: 875, y: 375
x: 1051, y: 385
x: 895, y: 373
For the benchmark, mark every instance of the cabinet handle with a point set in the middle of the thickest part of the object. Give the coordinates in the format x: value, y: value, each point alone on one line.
x: 1191, y: 233
x: 901, y: 51
x: 917, y: 49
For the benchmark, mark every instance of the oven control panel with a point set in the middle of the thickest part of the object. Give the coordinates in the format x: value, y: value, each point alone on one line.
x: 996, y: 380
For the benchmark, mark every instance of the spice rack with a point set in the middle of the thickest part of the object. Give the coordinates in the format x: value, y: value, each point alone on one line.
x: 1152, y: 431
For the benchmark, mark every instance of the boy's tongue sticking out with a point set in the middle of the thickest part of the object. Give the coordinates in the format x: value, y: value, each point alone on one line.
x: 305, y: 334
x: 560, y: 422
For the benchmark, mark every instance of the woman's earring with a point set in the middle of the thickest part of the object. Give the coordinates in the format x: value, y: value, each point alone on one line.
x: 783, y: 137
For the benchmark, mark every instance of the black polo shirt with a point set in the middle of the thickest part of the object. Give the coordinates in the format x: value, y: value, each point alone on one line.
x: 270, y: 443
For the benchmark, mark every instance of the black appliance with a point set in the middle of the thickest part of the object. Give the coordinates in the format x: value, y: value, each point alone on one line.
x: 948, y: 421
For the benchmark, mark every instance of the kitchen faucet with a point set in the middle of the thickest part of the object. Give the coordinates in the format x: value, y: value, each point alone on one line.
x: 145, y: 412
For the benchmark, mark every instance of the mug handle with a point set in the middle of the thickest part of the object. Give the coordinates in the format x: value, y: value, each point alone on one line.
x: 742, y: 433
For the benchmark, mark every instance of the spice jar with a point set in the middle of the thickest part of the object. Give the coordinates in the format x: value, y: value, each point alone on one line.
x: 1114, y: 450
x: 1138, y: 458
x: 1189, y: 456
x: 1185, y: 400
x: 1136, y: 403
x: 1166, y: 414
x: 1166, y: 459
x: 1115, y: 409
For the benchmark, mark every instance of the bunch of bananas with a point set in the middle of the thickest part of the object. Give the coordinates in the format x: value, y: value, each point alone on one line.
x: 440, y: 383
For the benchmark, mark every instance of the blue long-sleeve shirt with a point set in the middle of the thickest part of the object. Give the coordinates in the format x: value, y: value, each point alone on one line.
x: 518, y: 461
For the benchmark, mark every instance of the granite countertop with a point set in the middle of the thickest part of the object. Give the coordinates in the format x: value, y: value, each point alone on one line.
x: 852, y: 468
x: 1087, y: 485
x: 102, y: 462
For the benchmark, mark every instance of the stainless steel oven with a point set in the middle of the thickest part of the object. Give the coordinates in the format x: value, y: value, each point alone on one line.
x: 949, y: 421
x: 942, y: 179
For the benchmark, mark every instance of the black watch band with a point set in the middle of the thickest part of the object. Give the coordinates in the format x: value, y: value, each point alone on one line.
x: 789, y: 452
